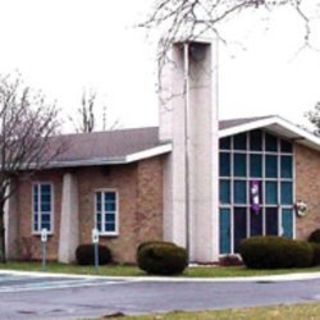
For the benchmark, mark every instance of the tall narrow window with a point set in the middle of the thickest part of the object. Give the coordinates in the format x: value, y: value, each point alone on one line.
x: 42, y: 207
x: 107, y: 212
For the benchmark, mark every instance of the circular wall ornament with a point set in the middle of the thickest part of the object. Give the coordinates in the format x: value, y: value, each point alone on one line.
x: 301, y: 208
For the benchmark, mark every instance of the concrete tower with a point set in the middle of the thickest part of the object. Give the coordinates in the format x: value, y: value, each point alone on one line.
x: 189, y: 118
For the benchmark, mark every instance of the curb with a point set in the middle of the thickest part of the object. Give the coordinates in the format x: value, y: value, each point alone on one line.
x: 267, y: 278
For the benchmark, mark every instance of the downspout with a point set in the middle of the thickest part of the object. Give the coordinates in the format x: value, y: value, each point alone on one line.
x: 186, y: 143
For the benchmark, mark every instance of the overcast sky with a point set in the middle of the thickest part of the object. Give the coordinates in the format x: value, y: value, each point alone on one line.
x: 64, y: 46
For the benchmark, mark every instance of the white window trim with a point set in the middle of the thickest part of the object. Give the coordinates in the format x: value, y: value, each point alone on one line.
x: 107, y: 233
x: 50, y: 232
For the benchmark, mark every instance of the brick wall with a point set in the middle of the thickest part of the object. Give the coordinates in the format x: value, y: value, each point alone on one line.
x: 139, y: 186
x: 308, y: 189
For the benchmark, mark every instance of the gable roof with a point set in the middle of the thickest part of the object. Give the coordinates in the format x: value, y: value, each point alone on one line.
x: 129, y: 145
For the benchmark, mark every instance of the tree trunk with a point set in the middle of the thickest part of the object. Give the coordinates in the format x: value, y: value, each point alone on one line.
x: 2, y: 237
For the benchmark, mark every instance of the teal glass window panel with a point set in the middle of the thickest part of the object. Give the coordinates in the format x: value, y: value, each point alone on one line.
x: 45, y: 188
x: 98, y: 202
x: 286, y: 193
x: 272, y: 221
x: 256, y: 228
x: 110, y: 206
x: 225, y: 164
x: 286, y: 146
x: 271, y: 166
x: 286, y: 167
x: 45, y: 207
x: 110, y: 195
x: 287, y: 223
x: 240, y: 141
x: 271, y: 143
x: 256, y: 165
x: 225, y: 143
x: 35, y: 222
x: 240, y: 192
x: 110, y: 218
x: 224, y: 191
x: 240, y: 226
x: 225, y: 231
x: 256, y: 140
x: 240, y: 165
x: 110, y: 227
x: 271, y: 192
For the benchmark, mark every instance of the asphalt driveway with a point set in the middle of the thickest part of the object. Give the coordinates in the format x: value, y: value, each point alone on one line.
x: 28, y: 297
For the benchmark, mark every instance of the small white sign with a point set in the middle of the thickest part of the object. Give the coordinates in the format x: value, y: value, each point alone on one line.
x: 44, y: 235
x: 95, y: 235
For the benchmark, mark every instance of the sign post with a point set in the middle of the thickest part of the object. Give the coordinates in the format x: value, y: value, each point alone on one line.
x: 95, y: 241
x: 44, y: 239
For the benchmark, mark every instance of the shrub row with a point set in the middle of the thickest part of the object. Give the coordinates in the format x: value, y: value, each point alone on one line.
x: 154, y: 257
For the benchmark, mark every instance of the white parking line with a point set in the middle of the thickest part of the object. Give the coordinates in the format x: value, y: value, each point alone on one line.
x: 55, y: 285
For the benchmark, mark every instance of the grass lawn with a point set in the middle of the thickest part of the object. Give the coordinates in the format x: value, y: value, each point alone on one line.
x: 124, y: 270
x: 292, y: 312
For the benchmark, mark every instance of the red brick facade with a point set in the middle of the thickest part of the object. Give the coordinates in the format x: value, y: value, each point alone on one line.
x: 139, y: 186
x: 308, y: 189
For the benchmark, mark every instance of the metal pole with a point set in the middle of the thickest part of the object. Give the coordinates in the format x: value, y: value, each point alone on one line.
x: 186, y: 142
x: 96, y: 257
x: 44, y: 256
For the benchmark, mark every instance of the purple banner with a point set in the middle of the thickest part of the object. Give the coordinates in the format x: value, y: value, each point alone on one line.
x: 255, y: 196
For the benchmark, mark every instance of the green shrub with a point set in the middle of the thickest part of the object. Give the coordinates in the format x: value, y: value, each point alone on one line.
x: 315, y: 236
x: 273, y: 252
x: 316, y: 254
x: 147, y: 243
x: 85, y: 254
x: 162, y: 259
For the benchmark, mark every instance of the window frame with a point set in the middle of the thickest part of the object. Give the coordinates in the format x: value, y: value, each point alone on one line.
x: 52, y: 214
x: 279, y: 179
x: 102, y: 233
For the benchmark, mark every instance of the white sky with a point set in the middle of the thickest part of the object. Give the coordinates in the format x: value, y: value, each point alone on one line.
x: 64, y: 46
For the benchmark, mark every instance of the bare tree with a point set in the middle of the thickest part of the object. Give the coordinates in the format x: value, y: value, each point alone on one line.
x: 313, y: 116
x: 86, y: 120
x: 184, y: 20
x: 86, y: 112
x: 27, y: 144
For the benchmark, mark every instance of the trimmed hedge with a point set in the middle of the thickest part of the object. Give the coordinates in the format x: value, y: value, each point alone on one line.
x: 162, y: 258
x: 147, y: 243
x: 315, y: 236
x: 271, y: 252
x: 85, y: 254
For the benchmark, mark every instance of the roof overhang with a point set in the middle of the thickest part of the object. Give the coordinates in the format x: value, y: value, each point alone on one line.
x: 278, y: 126
x: 130, y: 158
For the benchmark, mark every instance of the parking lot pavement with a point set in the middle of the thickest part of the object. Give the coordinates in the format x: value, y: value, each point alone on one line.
x: 42, y: 297
x: 21, y: 283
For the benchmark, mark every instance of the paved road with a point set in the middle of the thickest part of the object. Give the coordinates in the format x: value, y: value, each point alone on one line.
x: 37, y: 298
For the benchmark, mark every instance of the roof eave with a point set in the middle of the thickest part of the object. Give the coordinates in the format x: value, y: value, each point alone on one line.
x: 279, y: 126
x: 130, y: 158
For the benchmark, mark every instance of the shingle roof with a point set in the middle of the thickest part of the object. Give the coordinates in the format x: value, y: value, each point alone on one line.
x: 108, y: 144
x: 117, y: 144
